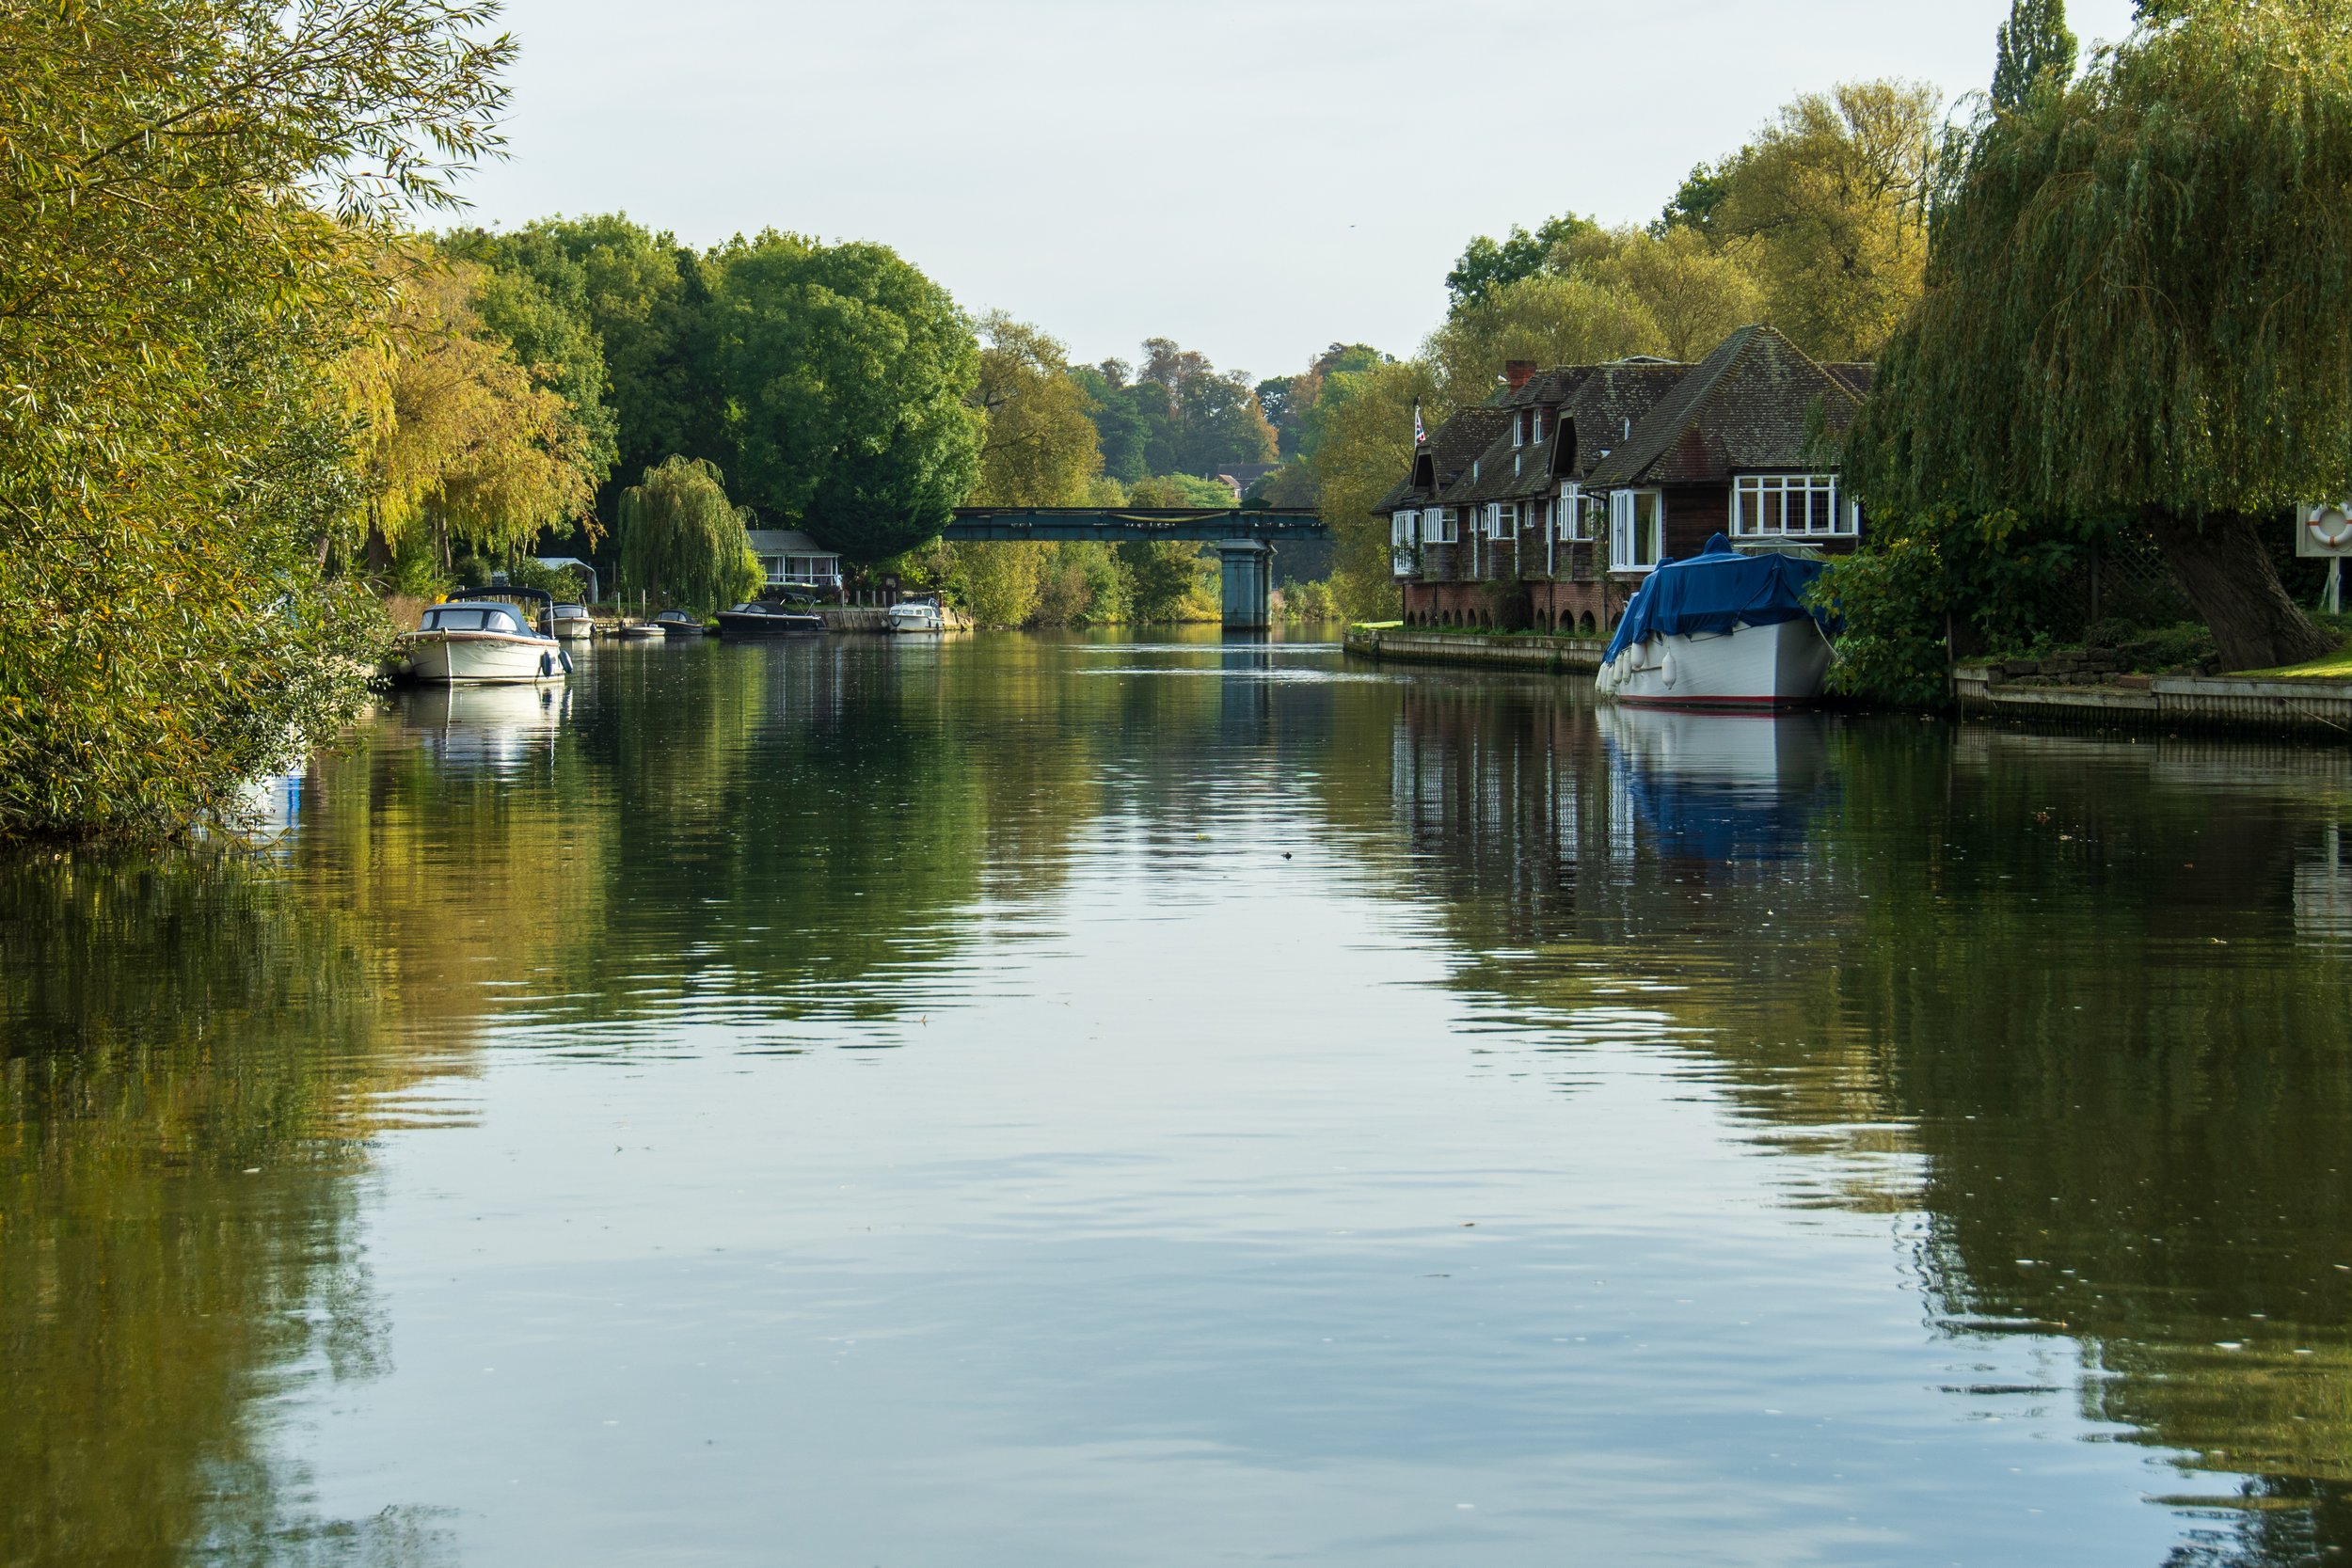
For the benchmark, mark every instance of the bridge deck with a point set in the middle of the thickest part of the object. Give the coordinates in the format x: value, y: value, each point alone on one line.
x: 1118, y: 524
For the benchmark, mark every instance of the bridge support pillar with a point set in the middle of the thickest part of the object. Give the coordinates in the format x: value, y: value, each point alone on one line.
x: 1245, y: 568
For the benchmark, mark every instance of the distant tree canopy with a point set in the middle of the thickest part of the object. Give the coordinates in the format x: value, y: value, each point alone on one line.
x: 682, y: 541
x: 1488, y: 265
x: 2140, y: 298
x: 1178, y: 413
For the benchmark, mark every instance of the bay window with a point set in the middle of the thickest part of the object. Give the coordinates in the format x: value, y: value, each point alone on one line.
x: 1798, y: 506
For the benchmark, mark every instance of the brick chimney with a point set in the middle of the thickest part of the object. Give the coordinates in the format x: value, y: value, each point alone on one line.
x: 1518, y: 373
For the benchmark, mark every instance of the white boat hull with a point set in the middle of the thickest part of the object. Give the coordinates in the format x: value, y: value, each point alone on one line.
x: 1748, y: 667
x: 475, y: 656
x: 915, y: 618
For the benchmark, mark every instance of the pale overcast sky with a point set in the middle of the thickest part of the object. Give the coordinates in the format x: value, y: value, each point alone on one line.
x: 1253, y: 178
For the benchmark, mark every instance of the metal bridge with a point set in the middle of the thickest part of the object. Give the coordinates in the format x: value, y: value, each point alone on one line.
x: 1243, y: 539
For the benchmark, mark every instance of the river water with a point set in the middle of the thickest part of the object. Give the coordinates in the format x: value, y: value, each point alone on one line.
x: 1037, y: 1102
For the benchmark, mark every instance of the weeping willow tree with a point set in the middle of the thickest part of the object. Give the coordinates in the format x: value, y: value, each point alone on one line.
x: 682, y: 541
x: 2140, y: 300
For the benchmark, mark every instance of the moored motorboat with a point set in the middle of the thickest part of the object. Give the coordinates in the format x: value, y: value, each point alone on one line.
x: 918, y: 615
x: 765, y: 620
x: 678, y: 623
x: 570, y: 623
x: 1721, y: 630
x: 473, y: 636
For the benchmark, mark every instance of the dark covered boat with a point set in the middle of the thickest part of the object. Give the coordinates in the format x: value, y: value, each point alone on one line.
x: 767, y: 620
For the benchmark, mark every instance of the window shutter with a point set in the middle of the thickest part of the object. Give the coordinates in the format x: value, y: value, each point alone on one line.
x: 1620, y: 528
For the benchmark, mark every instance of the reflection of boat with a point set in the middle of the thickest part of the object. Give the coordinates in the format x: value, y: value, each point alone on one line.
x: 1721, y: 630
x: 473, y: 636
x: 677, y: 623
x: 918, y: 615
x: 1722, y: 787
x: 571, y: 623
x: 496, y: 726
x: 765, y: 620
x: 268, y: 808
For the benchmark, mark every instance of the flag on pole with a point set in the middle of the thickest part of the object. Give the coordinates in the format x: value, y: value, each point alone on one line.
x: 1420, y: 437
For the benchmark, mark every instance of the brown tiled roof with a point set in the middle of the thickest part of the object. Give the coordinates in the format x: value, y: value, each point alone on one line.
x: 1748, y: 405
x: 1452, y: 449
x: 1611, y: 401
x: 1856, y: 379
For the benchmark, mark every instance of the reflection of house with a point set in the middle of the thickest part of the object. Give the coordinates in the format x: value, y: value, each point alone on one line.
x: 1549, y: 503
x: 791, y: 559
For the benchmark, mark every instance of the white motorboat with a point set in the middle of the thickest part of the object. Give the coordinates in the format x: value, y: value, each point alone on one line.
x: 475, y: 637
x: 572, y: 624
x: 918, y: 615
x: 1721, y: 630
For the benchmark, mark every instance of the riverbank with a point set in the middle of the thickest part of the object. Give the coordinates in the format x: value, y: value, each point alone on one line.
x: 1509, y: 650
x: 2313, y: 705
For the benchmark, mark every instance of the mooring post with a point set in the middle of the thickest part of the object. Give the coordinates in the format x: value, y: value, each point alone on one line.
x: 1245, y: 570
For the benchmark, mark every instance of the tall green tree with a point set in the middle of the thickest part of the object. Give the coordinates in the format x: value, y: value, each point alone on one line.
x: 2034, y: 52
x: 682, y: 541
x: 846, y: 376
x: 1040, y: 447
x: 1828, y: 205
x: 2140, y: 300
x: 193, y: 204
x: 645, y: 298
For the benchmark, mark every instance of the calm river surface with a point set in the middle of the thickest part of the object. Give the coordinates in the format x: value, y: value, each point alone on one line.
x: 1031, y: 1101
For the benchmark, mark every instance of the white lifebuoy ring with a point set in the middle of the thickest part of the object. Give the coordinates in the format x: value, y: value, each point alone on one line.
x: 2329, y: 527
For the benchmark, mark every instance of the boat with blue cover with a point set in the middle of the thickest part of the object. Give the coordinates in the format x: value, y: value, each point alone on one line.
x: 1724, y: 628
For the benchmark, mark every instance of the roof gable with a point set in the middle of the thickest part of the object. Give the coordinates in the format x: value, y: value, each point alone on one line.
x: 1748, y: 405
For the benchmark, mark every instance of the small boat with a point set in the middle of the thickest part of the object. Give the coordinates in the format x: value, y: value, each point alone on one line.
x: 677, y: 623
x: 1724, y: 628
x: 767, y: 620
x: 633, y: 629
x: 571, y: 623
x: 472, y: 636
x: 918, y: 615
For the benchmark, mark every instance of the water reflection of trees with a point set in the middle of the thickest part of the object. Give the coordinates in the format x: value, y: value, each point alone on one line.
x: 2080, y: 1002
x: 190, y: 1058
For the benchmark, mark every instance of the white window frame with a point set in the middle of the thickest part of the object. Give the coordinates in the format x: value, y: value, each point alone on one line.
x: 1625, y: 523
x: 1503, y: 519
x: 1576, y: 514
x: 1762, y: 506
x: 1438, y: 526
x: 1403, y: 527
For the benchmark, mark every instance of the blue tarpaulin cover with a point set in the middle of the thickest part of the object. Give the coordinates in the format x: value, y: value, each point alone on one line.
x: 1716, y: 592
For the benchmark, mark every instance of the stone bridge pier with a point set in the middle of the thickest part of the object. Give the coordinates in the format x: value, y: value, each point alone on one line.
x: 1246, y: 574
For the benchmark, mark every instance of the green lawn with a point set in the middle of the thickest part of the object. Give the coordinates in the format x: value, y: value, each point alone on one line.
x: 2336, y: 666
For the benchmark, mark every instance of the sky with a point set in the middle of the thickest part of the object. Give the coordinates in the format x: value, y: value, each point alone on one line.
x: 1253, y: 178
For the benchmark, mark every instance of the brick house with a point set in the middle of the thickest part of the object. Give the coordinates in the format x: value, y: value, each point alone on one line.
x: 1547, y: 504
